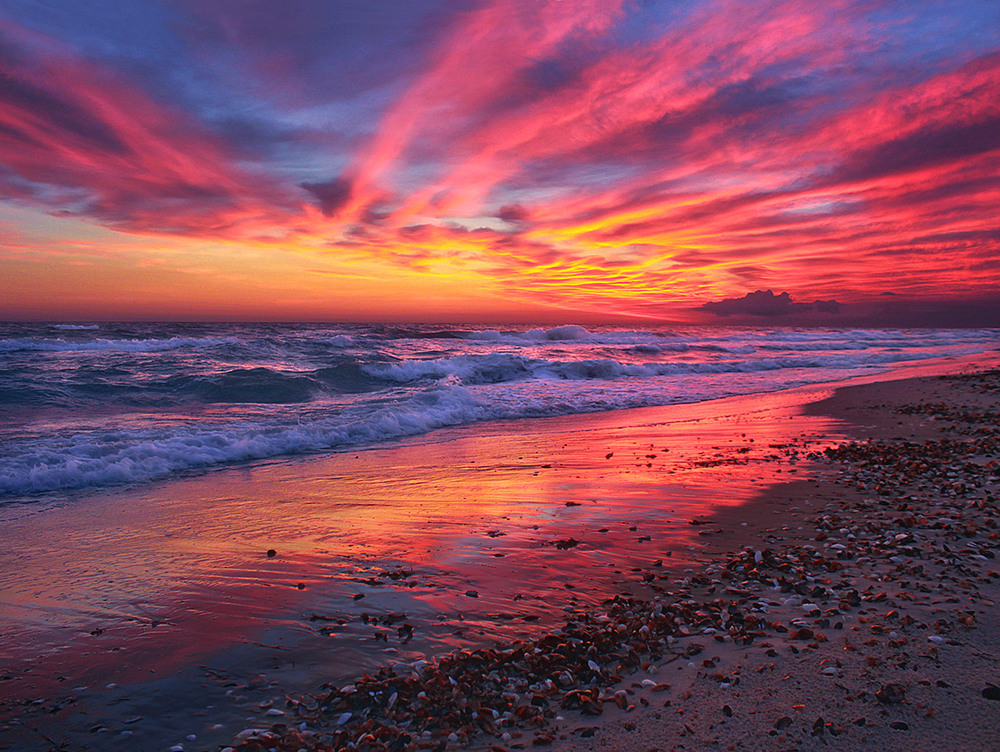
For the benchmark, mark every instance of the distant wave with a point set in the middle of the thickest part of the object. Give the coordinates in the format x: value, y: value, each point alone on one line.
x: 680, y: 341
x: 259, y: 385
x: 340, y: 340
x: 37, y: 344
x: 498, y: 368
x: 269, y: 386
x: 72, y: 327
x: 567, y: 333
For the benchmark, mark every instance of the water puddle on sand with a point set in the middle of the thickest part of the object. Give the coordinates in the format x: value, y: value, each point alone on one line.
x: 167, y: 593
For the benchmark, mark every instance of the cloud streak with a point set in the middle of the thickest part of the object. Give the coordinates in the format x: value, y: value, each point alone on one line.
x: 80, y: 140
x: 628, y: 157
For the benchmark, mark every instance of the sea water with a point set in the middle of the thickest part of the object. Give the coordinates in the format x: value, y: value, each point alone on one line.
x: 149, y: 611
x: 101, y: 404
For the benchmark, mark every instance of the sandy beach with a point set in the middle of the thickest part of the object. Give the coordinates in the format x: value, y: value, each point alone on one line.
x: 735, y: 575
x: 853, y: 611
x: 496, y: 375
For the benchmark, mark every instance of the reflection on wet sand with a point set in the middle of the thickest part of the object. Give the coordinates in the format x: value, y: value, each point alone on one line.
x: 487, y: 532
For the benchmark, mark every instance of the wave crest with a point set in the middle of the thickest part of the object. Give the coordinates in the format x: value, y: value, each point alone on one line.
x: 130, y: 456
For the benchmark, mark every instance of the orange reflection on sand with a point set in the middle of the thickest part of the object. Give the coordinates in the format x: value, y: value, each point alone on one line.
x: 134, y: 584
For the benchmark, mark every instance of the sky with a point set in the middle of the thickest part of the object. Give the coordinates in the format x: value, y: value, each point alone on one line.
x: 506, y: 160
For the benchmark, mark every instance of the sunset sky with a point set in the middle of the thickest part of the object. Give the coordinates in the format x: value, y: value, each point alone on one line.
x: 532, y: 160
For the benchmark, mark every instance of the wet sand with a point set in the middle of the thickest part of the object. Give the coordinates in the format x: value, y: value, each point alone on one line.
x: 136, y: 619
x: 875, y: 587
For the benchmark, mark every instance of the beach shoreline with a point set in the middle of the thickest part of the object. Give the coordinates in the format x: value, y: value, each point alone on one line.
x: 724, y: 535
x: 901, y: 661
x: 909, y: 663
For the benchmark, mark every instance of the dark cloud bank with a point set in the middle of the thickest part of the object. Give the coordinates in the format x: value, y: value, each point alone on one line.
x: 766, y: 303
x: 764, y: 307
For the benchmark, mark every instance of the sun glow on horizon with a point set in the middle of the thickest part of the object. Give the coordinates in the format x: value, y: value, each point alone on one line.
x: 600, y: 158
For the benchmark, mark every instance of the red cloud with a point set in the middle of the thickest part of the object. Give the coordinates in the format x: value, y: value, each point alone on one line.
x: 79, y: 138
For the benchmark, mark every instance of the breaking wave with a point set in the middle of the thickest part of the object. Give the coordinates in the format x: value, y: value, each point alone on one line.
x: 89, y: 405
x: 129, y: 456
x: 36, y: 344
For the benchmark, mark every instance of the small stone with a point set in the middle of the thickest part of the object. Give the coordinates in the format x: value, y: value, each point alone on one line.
x: 891, y: 694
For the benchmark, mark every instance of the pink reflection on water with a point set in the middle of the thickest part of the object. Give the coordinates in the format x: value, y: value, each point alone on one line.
x: 167, y: 589
x: 487, y: 532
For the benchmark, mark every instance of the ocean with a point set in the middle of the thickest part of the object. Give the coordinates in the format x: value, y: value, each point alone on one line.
x: 86, y: 406
x: 193, y: 533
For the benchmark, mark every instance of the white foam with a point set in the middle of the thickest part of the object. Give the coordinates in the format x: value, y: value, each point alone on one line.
x: 560, y: 333
x: 127, y: 456
x: 340, y: 340
x: 503, y: 367
x: 111, y: 345
x: 569, y: 333
x: 483, y: 375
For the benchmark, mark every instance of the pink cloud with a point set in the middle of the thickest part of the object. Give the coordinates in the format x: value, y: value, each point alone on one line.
x: 77, y: 137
